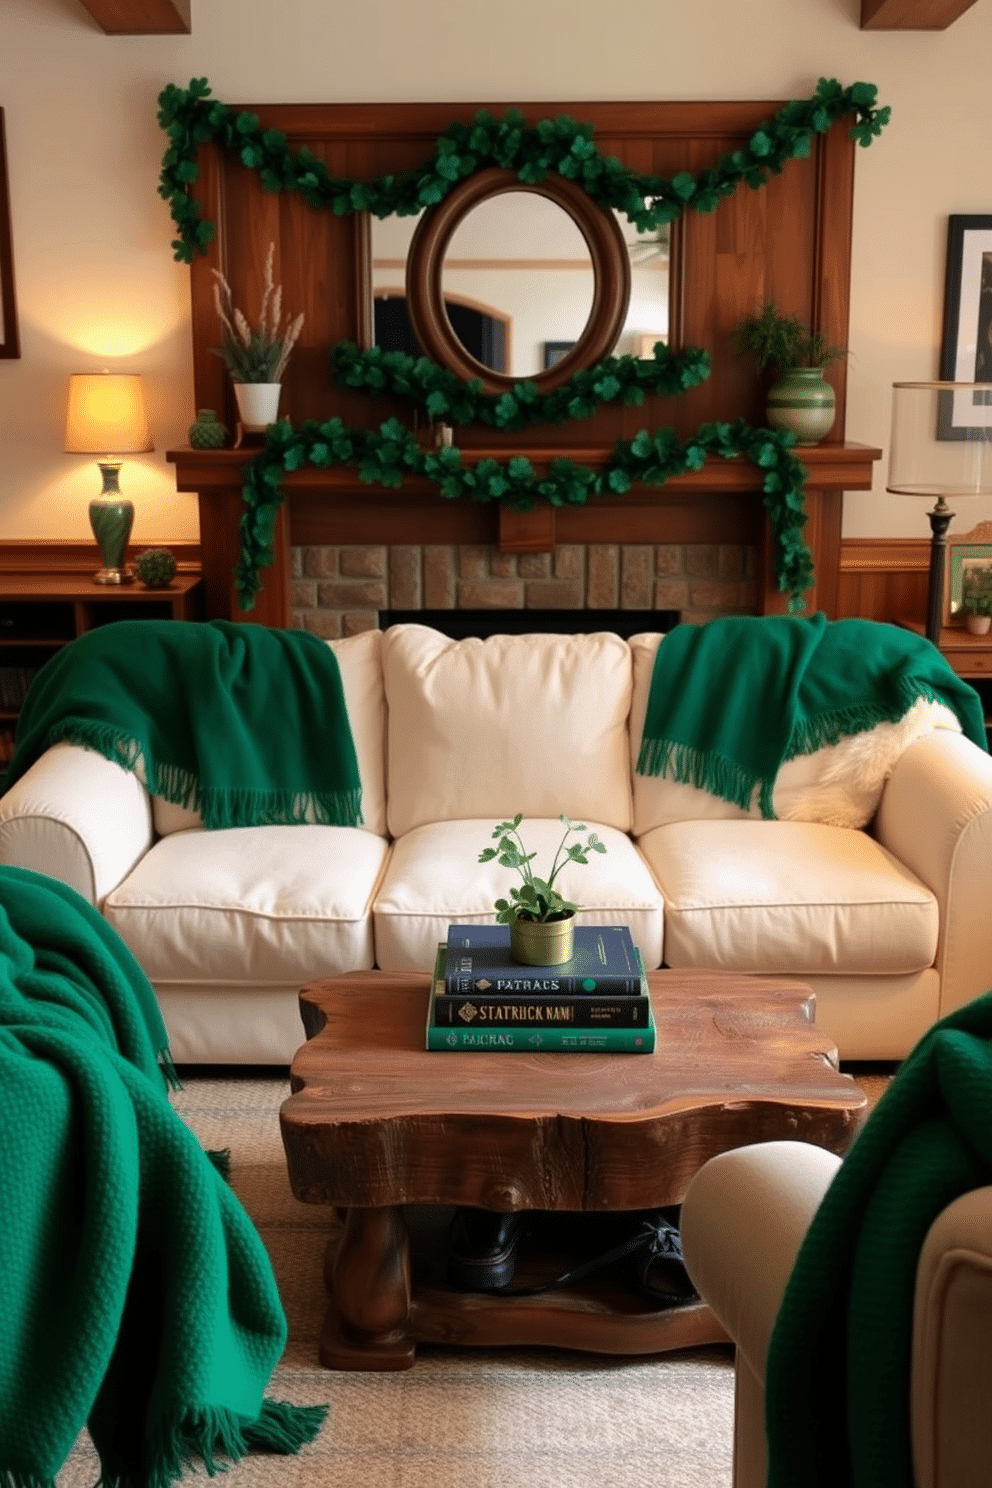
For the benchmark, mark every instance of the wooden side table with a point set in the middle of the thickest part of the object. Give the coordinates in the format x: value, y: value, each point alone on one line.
x: 42, y: 612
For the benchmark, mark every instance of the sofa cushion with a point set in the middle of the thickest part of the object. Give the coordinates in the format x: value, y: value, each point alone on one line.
x: 790, y: 897
x: 434, y: 878
x: 839, y: 785
x: 359, y: 659
x: 487, y: 728
x: 251, y: 904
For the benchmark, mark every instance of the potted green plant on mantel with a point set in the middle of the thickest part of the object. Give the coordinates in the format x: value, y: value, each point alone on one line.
x: 255, y: 357
x: 800, y: 399
x: 541, y: 921
x: 976, y: 600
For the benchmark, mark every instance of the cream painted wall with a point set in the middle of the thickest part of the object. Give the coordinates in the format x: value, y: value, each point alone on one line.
x: 97, y: 285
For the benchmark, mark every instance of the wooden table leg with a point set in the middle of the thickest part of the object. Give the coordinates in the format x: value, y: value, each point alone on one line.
x: 367, y: 1273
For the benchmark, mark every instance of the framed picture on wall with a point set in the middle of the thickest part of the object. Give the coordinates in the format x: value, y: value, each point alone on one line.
x: 966, y: 352
x: 9, y: 343
x: 969, y: 563
x: 554, y: 351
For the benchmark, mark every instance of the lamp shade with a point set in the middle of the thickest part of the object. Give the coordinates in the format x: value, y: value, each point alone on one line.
x: 107, y: 414
x: 941, y: 439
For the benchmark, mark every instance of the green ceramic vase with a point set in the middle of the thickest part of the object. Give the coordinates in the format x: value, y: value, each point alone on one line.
x: 802, y: 402
x: 207, y: 432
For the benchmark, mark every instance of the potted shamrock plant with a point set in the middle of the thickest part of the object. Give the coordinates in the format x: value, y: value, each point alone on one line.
x: 976, y: 600
x: 541, y: 920
x: 799, y: 400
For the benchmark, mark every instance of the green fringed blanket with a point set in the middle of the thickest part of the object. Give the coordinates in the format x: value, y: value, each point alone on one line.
x: 244, y: 723
x: 840, y: 1351
x: 731, y: 701
x: 136, y: 1296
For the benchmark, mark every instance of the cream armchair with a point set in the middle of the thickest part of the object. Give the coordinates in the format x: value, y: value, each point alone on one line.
x: 743, y: 1220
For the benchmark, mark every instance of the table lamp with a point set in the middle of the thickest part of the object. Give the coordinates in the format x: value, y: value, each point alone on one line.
x: 107, y: 416
x: 940, y: 447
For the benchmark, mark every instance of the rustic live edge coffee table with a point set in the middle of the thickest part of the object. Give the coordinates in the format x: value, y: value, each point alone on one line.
x: 375, y: 1123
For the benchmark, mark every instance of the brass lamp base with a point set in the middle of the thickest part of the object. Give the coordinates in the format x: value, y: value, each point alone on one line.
x: 113, y: 576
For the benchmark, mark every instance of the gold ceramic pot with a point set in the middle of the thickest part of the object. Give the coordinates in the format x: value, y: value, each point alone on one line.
x: 542, y: 942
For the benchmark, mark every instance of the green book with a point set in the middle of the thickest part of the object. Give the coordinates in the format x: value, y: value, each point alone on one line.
x: 529, y: 1039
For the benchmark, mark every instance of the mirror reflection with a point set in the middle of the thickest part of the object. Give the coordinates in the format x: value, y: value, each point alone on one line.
x: 518, y: 284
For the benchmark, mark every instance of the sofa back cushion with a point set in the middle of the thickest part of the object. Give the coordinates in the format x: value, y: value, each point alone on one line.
x: 486, y: 728
x: 360, y: 661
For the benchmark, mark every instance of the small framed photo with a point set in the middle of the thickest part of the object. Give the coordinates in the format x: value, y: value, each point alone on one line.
x: 969, y: 563
x: 554, y: 351
x: 966, y: 351
x: 9, y: 342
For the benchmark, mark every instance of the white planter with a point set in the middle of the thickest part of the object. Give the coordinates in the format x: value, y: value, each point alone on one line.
x: 978, y: 624
x: 258, y: 404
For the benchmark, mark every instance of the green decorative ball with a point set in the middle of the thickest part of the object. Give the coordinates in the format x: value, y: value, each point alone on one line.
x: 155, y: 568
x: 208, y: 432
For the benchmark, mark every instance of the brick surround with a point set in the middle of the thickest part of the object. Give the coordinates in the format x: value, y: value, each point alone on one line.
x: 339, y: 591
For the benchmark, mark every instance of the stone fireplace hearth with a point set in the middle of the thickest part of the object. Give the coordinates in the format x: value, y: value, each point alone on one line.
x: 340, y: 590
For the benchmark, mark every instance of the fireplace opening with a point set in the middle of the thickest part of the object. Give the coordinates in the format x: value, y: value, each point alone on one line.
x: 459, y: 624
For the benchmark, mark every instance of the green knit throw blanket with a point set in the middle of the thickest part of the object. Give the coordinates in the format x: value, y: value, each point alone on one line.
x: 731, y: 701
x: 136, y: 1296
x: 840, y: 1350
x: 244, y: 723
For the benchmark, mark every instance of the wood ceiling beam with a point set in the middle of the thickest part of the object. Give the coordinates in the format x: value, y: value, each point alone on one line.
x: 141, y: 17
x: 911, y: 15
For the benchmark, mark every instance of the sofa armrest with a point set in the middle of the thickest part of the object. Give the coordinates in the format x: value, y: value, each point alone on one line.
x: 935, y: 816
x: 952, y: 1346
x: 76, y: 817
x: 743, y: 1220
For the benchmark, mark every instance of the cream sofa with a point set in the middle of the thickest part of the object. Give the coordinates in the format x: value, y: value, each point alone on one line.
x: 889, y: 925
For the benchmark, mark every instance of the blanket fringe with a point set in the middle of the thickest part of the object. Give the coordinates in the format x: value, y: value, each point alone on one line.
x: 284, y: 1428
x: 210, y: 1435
x: 708, y: 772
x: 827, y: 729
x: 219, y: 808
x: 168, y: 1069
x: 13, y: 1477
x: 221, y: 1159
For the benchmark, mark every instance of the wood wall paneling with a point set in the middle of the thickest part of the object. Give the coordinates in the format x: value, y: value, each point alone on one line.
x: 884, y: 578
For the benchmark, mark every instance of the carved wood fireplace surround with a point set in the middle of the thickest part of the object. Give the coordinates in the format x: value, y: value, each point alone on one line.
x: 789, y: 242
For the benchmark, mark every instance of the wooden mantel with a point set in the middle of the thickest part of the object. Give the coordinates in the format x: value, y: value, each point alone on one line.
x: 721, y: 503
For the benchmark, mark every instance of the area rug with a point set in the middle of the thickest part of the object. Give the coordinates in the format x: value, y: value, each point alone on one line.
x: 460, y: 1418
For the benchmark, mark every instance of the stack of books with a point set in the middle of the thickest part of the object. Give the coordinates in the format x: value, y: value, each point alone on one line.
x: 482, y: 999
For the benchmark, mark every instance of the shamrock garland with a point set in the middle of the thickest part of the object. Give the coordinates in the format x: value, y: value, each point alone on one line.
x: 190, y: 119
x: 384, y: 456
x: 444, y: 396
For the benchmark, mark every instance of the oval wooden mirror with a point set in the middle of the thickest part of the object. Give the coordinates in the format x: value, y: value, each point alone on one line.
x: 426, y: 265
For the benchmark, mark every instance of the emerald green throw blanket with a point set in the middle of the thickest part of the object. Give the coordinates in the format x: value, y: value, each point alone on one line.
x: 840, y: 1350
x: 135, y: 1294
x: 244, y: 723
x: 731, y: 701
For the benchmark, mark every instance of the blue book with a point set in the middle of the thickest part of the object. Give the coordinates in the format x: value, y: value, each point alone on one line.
x: 605, y: 963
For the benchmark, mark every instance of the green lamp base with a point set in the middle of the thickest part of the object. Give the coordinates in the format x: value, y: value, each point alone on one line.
x: 111, y: 518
